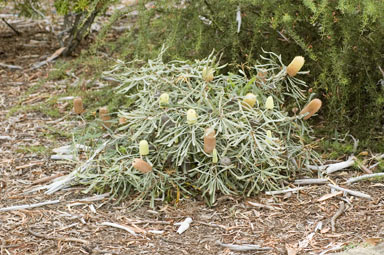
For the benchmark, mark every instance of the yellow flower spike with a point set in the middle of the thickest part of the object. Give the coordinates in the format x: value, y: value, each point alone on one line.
x: 295, y: 66
x: 104, y: 116
x: 143, y: 148
x: 163, y: 100
x: 209, y: 140
x: 311, y: 108
x: 269, y: 103
x: 249, y: 100
x: 141, y: 165
x: 191, y: 117
x: 208, y: 74
x: 78, y: 105
x: 269, y: 136
x: 215, y: 159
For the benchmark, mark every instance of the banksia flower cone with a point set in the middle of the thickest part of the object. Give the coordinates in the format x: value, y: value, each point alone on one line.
x: 269, y: 137
x: 78, y: 105
x: 311, y: 108
x: 104, y: 116
x: 269, y: 103
x: 163, y: 100
x: 191, y: 116
x: 122, y: 120
x: 215, y: 158
x: 249, y: 100
x: 141, y: 165
x: 209, y: 140
x: 143, y: 148
x: 208, y: 74
x: 295, y: 66
x: 262, y: 75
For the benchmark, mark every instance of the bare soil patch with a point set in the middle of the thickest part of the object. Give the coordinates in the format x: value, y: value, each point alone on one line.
x: 72, y: 226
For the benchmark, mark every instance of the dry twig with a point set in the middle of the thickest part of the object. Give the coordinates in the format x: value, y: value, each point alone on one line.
x: 243, y: 247
x: 336, y: 215
x: 310, y: 181
x: 58, y: 238
x: 351, y: 192
x: 278, y: 192
x: 363, y: 177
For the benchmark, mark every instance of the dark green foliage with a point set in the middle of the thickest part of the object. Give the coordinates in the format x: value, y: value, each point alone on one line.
x: 342, y: 41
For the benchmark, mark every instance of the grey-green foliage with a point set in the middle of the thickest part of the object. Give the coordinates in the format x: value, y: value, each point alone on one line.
x: 249, y: 161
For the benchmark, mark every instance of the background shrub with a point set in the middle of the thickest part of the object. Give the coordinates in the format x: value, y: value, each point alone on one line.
x: 341, y: 40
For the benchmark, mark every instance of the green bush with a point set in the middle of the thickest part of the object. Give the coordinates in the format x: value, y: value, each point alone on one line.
x: 342, y: 41
x: 257, y: 146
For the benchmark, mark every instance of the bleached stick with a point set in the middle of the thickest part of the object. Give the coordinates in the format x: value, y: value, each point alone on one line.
x: 351, y: 192
x: 264, y: 206
x: 51, y: 202
x: 277, y: 192
x: 310, y: 181
x: 114, y: 225
x: 334, y: 167
x: 28, y: 206
x: 363, y: 177
x: 66, y: 180
x: 244, y: 247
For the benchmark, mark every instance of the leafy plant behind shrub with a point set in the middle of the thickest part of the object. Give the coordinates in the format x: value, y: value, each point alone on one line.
x: 341, y: 40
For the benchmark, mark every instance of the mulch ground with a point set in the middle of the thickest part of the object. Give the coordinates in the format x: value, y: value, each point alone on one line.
x: 295, y: 221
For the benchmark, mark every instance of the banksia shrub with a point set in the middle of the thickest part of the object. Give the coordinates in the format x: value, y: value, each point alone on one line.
x: 209, y: 141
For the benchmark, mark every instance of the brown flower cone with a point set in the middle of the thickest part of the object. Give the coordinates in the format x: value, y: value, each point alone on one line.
x: 122, y: 120
x: 262, y: 75
x: 103, y: 114
x: 209, y: 140
x: 78, y: 105
x: 311, y: 108
x: 294, y: 67
x: 141, y: 165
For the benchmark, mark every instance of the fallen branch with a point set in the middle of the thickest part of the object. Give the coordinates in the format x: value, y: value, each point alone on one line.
x: 331, y: 168
x: 11, y: 27
x: 47, y: 179
x: 310, y: 181
x: 55, y: 55
x: 277, y: 192
x: 58, y: 238
x: 336, y: 215
x: 243, y: 247
x: 363, y: 177
x: 51, y: 202
x: 351, y: 192
x: 66, y: 180
x: 114, y: 225
x: 21, y: 207
x: 11, y: 66
x: 264, y: 206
